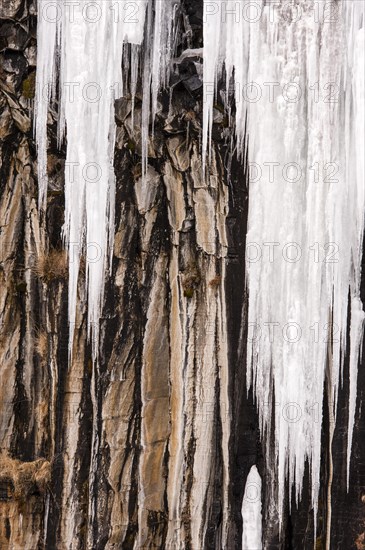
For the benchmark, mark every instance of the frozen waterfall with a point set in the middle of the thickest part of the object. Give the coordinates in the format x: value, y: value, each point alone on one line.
x: 295, y: 71
x: 81, y: 48
x: 300, y: 99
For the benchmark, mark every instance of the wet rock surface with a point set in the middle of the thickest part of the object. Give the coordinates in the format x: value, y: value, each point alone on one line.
x: 151, y: 448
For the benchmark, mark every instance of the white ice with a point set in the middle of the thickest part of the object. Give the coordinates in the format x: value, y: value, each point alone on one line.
x: 252, y: 512
x: 87, y: 39
x: 299, y: 92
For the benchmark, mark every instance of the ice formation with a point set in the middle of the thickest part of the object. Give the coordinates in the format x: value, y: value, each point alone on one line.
x: 80, y: 47
x: 297, y: 73
x: 251, y: 512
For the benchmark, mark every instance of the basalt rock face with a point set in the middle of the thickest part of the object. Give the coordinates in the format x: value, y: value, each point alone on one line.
x: 151, y: 447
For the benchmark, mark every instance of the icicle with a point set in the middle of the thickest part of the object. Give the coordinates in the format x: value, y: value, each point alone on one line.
x: 160, y: 37
x: 47, y: 35
x: 251, y: 512
x: 146, y: 85
x: 357, y: 35
x: 88, y: 39
x: 306, y: 205
x: 135, y: 54
x: 212, y: 45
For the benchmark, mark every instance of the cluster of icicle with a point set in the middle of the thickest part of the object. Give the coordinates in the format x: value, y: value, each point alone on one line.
x: 299, y: 98
x: 297, y: 72
x: 82, y: 59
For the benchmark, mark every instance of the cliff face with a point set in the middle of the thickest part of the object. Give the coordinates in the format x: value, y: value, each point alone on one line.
x: 151, y: 447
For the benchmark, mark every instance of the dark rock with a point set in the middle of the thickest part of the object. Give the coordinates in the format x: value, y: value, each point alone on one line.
x: 13, y: 36
x: 13, y: 67
x: 9, y: 8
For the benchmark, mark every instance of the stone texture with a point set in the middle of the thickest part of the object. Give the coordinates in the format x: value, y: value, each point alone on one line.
x: 152, y: 447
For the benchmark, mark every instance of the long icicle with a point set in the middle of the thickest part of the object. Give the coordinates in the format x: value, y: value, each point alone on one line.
x: 88, y: 40
x: 306, y: 206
